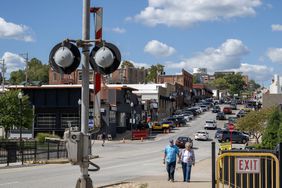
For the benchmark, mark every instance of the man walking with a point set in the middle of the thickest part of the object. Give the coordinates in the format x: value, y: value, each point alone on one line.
x: 170, y: 153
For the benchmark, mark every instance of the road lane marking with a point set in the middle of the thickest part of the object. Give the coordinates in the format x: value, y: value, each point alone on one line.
x: 9, y: 183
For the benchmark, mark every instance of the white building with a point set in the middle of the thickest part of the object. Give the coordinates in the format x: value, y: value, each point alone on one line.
x: 275, y: 87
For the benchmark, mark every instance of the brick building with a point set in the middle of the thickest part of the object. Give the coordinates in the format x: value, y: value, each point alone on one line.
x: 128, y: 75
x: 183, y: 87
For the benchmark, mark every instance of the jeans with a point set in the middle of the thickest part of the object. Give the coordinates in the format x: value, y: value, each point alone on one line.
x: 186, y: 168
x: 170, y: 167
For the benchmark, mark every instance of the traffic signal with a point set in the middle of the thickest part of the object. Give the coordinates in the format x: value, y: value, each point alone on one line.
x: 105, y: 58
x: 64, y: 58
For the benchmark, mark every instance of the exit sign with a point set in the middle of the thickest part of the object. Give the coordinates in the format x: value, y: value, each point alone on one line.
x: 248, y: 165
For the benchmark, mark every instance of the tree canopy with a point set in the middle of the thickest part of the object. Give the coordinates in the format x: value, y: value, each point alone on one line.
x: 10, y: 111
x: 36, y: 71
x: 126, y: 64
x: 273, y: 132
x: 254, y: 122
x: 153, y: 73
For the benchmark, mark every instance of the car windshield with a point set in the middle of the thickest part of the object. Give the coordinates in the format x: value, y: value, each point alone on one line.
x: 209, y: 121
x: 185, y: 139
x: 201, y: 132
x: 166, y: 122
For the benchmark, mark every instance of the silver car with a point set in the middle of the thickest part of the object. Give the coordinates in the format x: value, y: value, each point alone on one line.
x: 210, y: 124
x: 201, y: 135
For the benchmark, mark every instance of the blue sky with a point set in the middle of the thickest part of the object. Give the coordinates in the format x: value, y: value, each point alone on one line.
x: 219, y: 35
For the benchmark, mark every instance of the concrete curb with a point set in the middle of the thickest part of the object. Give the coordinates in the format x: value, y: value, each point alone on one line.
x: 57, y: 161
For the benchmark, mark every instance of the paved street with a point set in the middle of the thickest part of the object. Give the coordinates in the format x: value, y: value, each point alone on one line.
x: 118, y: 161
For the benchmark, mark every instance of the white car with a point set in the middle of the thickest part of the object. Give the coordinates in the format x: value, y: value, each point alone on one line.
x: 204, y: 108
x: 202, y: 135
x: 210, y: 124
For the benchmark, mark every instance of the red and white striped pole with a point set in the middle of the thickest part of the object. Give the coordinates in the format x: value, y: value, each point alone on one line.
x: 98, y: 13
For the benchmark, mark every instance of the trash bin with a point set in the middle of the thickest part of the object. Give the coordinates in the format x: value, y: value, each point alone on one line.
x: 11, y: 148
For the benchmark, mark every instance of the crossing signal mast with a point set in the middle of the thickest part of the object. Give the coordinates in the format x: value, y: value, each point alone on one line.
x: 65, y: 58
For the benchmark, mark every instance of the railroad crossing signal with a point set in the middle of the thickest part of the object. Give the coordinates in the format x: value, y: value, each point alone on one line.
x: 65, y: 57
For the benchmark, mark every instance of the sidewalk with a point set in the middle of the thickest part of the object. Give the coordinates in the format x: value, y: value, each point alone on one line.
x: 201, y: 178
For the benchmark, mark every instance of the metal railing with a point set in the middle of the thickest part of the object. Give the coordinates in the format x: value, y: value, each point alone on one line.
x: 247, y: 169
x: 10, y: 151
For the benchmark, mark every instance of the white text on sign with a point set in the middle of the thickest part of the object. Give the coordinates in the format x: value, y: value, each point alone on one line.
x: 248, y: 165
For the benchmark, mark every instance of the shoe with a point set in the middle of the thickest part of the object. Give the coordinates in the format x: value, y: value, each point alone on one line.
x: 172, y: 180
x: 168, y: 179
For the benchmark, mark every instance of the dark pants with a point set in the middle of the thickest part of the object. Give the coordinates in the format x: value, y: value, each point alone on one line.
x: 186, y: 168
x: 170, y: 167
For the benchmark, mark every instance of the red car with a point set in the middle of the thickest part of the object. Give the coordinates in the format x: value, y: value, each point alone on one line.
x: 181, y: 141
x: 227, y: 110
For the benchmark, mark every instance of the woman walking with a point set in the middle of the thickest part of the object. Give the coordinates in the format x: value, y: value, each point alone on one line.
x: 187, y: 159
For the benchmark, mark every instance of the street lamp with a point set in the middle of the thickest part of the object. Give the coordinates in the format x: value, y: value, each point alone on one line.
x: 79, y: 114
x: 131, y: 117
x: 20, y: 97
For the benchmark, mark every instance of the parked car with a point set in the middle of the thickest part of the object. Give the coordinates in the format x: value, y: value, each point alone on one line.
x: 225, y: 136
x: 204, y: 108
x: 232, y: 119
x: 227, y: 110
x: 241, y: 113
x: 210, y: 124
x: 181, y: 141
x: 220, y: 116
x: 167, y: 124
x: 216, y: 109
x: 188, y: 115
x: 201, y: 135
x: 233, y: 106
x: 156, y: 126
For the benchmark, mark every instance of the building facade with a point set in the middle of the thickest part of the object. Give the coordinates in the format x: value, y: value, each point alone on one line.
x: 128, y: 75
x: 184, y: 85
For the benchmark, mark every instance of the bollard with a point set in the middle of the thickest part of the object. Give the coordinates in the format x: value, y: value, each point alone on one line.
x: 141, y: 139
x: 123, y: 141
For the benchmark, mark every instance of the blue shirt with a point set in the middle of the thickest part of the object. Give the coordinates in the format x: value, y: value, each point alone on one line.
x: 171, y: 152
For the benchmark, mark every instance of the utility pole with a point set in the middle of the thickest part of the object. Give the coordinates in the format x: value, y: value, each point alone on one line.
x: 3, y: 74
x: 85, y: 181
x: 25, y: 56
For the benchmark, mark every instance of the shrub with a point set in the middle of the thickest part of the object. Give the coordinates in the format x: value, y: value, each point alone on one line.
x: 41, y: 137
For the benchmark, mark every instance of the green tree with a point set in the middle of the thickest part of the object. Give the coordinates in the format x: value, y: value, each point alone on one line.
x: 153, y: 73
x: 220, y: 83
x: 126, y: 64
x: 10, y: 111
x: 273, y: 132
x: 254, y: 122
x: 36, y: 72
x: 16, y: 77
x: 235, y: 83
x: 196, y: 79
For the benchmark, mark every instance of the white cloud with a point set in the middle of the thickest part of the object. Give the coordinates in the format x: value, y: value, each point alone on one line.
x: 158, y: 48
x: 227, y: 56
x: 119, y: 30
x: 255, y: 72
x: 13, y: 62
x: 276, y: 27
x: 183, y: 13
x: 11, y: 30
x: 275, y: 55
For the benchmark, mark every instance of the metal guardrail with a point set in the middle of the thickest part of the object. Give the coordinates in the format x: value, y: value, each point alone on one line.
x: 11, y: 152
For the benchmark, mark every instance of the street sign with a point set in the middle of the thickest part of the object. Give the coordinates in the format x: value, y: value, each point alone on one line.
x: 91, y: 123
x: 248, y: 165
